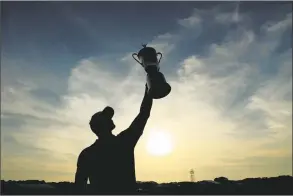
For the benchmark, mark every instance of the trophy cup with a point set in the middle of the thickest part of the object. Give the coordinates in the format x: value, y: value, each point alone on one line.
x: 156, y: 82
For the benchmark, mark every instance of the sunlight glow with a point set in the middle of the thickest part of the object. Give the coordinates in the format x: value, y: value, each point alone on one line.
x: 159, y: 143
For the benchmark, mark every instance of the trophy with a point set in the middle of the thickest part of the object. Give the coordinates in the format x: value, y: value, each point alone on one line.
x: 156, y: 82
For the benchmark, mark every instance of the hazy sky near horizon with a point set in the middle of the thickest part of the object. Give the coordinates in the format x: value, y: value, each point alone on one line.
x: 229, y: 65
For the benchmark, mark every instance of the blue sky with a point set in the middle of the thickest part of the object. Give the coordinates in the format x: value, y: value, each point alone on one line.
x: 229, y: 65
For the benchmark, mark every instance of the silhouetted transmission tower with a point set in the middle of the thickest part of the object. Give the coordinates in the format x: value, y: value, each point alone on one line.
x: 191, y: 175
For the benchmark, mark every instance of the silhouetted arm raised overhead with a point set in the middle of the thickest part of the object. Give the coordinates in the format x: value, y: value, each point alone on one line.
x: 136, y: 128
x: 81, y: 175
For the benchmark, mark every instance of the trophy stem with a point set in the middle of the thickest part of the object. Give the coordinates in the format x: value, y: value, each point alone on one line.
x: 158, y: 87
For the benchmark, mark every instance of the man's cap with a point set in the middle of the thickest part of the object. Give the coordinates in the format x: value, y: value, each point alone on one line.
x: 107, y: 112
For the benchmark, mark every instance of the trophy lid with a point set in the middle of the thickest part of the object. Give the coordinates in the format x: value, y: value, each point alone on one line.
x: 146, y: 50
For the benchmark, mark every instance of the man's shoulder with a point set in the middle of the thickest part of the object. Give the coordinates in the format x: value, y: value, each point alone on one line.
x: 87, y: 150
x: 128, y: 138
x: 84, y: 155
x: 122, y: 134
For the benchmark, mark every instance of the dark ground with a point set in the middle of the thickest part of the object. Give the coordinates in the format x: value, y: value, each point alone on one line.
x: 282, y: 185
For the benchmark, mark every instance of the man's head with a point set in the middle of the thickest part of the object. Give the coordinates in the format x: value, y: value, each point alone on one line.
x: 101, y: 122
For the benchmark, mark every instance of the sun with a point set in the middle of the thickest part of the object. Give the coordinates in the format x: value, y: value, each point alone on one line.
x: 159, y: 143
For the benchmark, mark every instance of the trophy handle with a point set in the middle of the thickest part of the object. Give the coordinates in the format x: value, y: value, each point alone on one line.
x: 133, y: 56
x: 158, y: 53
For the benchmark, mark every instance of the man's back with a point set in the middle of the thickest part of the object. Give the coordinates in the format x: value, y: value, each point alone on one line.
x: 110, y: 165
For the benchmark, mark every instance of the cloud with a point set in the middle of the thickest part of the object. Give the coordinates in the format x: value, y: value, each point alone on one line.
x: 191, y: 21
x: 232, y: 17
x: 164, y: 43
x: 234, y: 99
x: 281, y: 25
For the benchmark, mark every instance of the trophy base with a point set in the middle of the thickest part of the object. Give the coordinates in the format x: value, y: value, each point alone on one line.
x: 160, y: 91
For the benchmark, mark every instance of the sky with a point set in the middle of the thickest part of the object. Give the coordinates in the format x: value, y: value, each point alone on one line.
x: 229, y: 64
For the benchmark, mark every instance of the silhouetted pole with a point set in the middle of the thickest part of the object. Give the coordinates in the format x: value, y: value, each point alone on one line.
x: 191, y: 175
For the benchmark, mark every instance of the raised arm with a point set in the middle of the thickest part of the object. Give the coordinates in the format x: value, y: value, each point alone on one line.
x: 136, y: 128
x: 144, y: 113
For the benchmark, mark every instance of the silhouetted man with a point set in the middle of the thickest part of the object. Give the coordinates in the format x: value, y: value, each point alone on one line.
x: 109, y: 162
